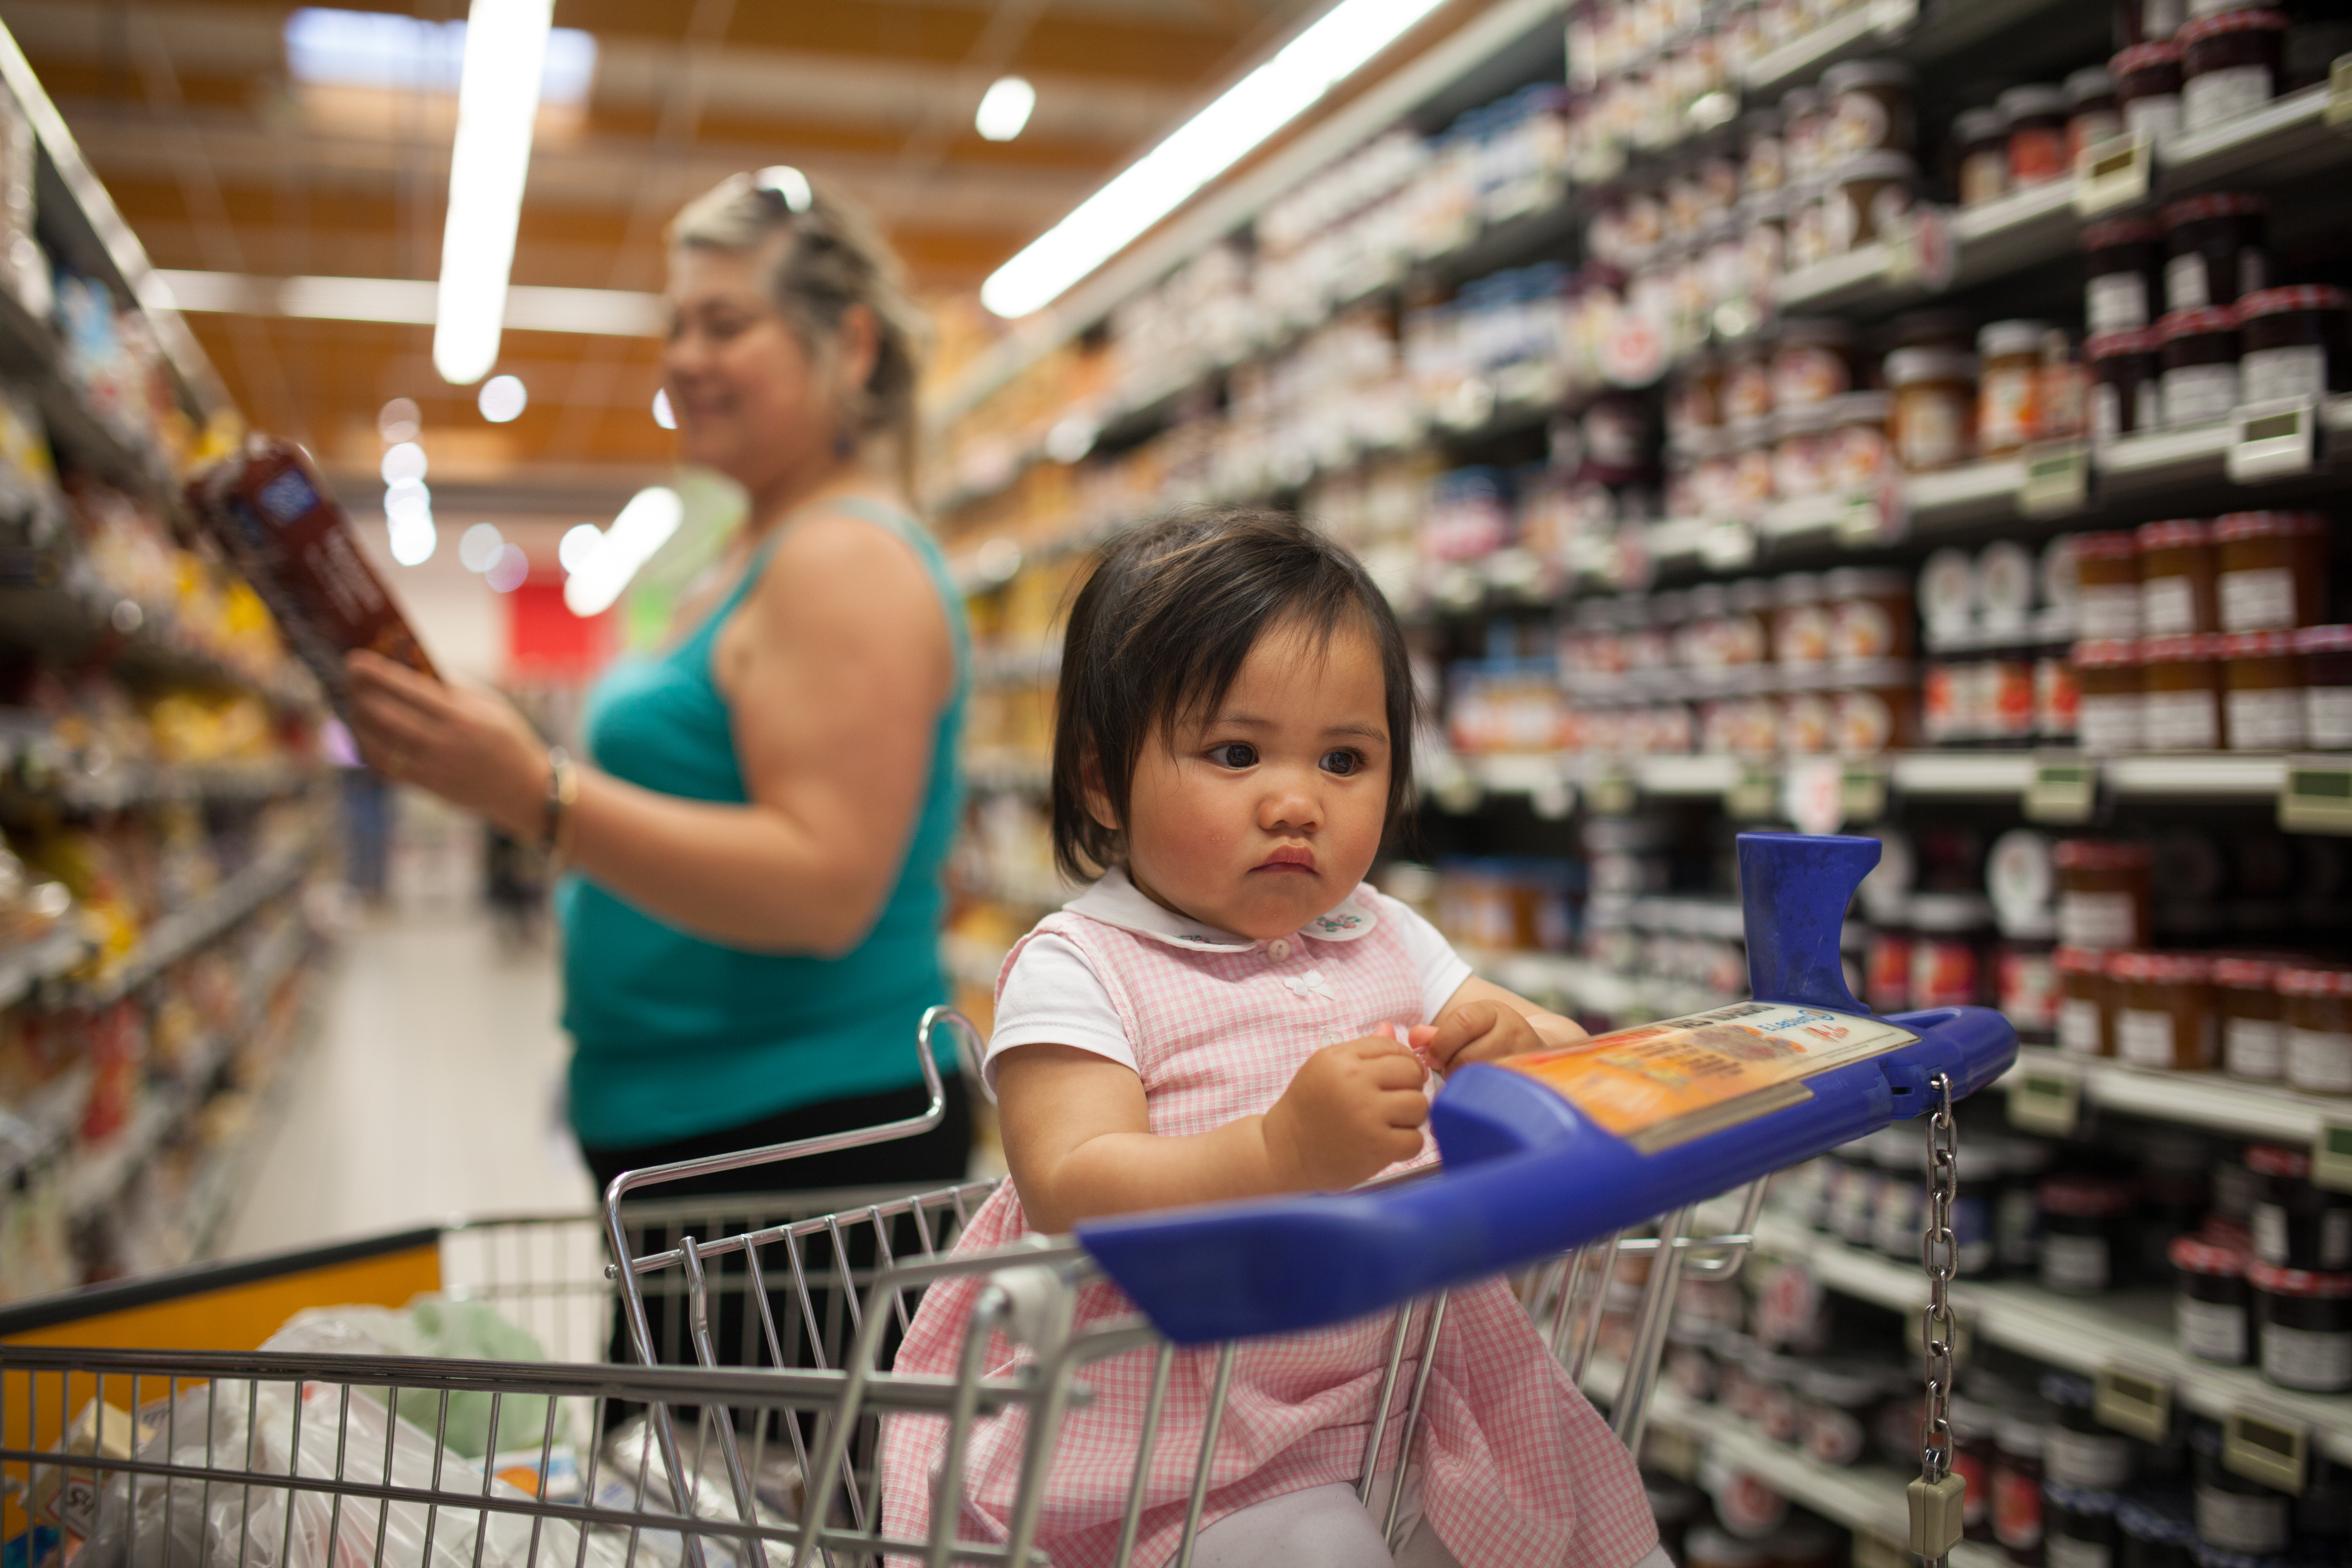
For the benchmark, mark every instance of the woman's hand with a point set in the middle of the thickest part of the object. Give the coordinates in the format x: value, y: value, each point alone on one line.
x: 1354, y: 1109
x: 467, y: 746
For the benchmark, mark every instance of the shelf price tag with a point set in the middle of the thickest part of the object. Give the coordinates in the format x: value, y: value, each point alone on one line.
x: 1612, y: 794
x: 2113, y: 173
x: 1864, y: 792
x: 2057, y: 480
x: 1922, y: 251
x: 2062, y: 790
x: 1728, y: 545
x: 2045, y: 1100
x: 2134, y: 1401
x: 2340, y: 91
x: 1671, y: 1449
x: 2316, y: 795
x: 2331, y: 1157
x: 2264, y: 1448
x: 2274, y: 440
x: 1754, y: 793
x: 1812, y: 794
x: 1552, y: 799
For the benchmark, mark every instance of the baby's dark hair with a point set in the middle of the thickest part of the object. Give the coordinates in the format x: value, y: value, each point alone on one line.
x: 1159, y: 634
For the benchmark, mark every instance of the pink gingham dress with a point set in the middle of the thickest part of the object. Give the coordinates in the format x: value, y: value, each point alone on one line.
x: 1517, y: 1470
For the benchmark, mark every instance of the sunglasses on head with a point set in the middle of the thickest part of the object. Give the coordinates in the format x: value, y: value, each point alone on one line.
x: 778, y: 185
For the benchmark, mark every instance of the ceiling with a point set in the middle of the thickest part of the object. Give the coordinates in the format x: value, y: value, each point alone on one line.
x: 222, y: 164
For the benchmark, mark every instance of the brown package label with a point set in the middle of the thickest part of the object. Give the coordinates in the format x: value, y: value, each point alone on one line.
x: 282, y: 527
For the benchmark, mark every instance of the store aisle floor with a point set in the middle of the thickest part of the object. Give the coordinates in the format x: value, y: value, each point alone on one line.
x: 431, y: 1093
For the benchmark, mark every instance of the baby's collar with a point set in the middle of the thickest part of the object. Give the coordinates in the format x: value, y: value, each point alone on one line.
x: 1116, y: 900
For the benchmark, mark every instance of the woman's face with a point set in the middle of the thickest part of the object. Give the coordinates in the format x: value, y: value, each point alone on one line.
x: 748, y: 397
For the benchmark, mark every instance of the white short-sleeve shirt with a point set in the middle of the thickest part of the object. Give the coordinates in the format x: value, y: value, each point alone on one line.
x: 1052, y: 995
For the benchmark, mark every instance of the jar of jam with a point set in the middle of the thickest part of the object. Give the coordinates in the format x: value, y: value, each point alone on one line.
x: 2123, y: 258
x: 1812, y: 363
x: 2165, y: 1015
x: 2327, y: 654
x: 1804, y: 130
x: 1859, y: 454
x: 2057, y: 698
x: 2262, y: 691
x: 1746, y: 383
x: 2210, y: 1309
x: 2037, y: 134
x: 2253, y: 1037
x: 1870, y: 108
x: 1800, y: 621
x: 2177, y: 566
x: 2295, y: 1223
x: 2109, y: 704
x: 2083, y: 1220
x: 2009, y: 385
x: 1870, y: 614
x: 2083, y: 1451
x: 1982, y: 136
x: 2093, y: 115
x: 2238, y: 1521
x: 2148, y: 90
x: 2180, y: 693
x: 2228, y: 65
x: 2079, y: 1526
x: 2104, y: 898
x: 2271, y: 569
x: 1800, y: 440
x: 2126, y: 382
x: 2084, y: 1007
x: 2305, y: 1327
x: 2017, y: 1443
x: 2318, y: 1028
x: 2106, y: 579
x: 1834, y: 1406
x: 1946, y: 956
x: 1868, y: 196
x: 2199, y: 350
x: 1764, y: 163
x: 2214, y: 250
x: 2154, y: 1535
x: 2295, y: 342
x: 1934, y: 418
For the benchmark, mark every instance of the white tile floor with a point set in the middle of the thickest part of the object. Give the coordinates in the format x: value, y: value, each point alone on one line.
x: 433, y: 1092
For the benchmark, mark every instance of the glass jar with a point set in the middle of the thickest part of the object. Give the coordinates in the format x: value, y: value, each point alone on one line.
x: 1800, y: 621
x: 2084, y: 1007
x: 2037, y: 134
x: 1834, y: 1406
x: 2081, y: 1450
x: 2327, y: 653
x: 1764, y: 162
x: 2295, y: 1223
x: 2027, y: 987
x: 1801, y: 441
x: 2238, y: 1521
x: 1870, y: 108
x: 1750, y: 442
x: 2079, y: 1526
x: 2318, y: 1028
x: 2271, y: 569
x: 2262, y: 691
x: 1868, y: 196
x: 2180, y: 693
x: 2104, y: 897
x: 2057, y: 698
x: 2109, y: 704
x: 1859, y: 455
x: 1934, y: 415
x: 2093, y: 114
x: 2211, y: 1305
x: 2126, y: 382
x: 2214, y: 250
x: 2253, y: 1035
x: 2106, y: 585
x: 1812, y: 362
x: 1870, y: 720
x: 1946, y: 954
x: 2165, y: 1015
x: 2154, y: 1535
x: 2083, y: 1222
x: 2305, y: 1327
x: 2177, y: 566
x: 2008, y: 383
x: 2199, y: 350
x: 2295, y: 342
x: 1746, y: 383
x: 2122, y: 257
x: 2018, y: 1446
x: 2228, y: 65
x: 1870, y: 614
x: 1804, y: 132
x: 2148, y: 90
x: 1982, y: 137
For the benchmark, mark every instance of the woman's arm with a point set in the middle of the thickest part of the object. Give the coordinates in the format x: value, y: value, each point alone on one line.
x: 835, y: 671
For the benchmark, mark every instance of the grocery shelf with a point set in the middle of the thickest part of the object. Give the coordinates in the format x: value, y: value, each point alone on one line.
x: 1589, y: 987
x: 2201, y: 1099
x: 53, y: 956
x: 45, y: 1121
x: 69, y: 615
x: 183, y: 930
x: 1004, y: 772
x: 126, y: 784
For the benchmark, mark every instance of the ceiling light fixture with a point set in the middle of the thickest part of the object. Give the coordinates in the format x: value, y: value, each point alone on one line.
x: 503, y: 399
x: 1004, y: 109
x: 1197, y: 152
x: 506, y: 47
x: 643, y: 526
x: 479, y: 546
x: 664, y: 416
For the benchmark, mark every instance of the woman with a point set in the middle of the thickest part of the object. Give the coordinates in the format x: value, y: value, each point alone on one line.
x: 751, y: 934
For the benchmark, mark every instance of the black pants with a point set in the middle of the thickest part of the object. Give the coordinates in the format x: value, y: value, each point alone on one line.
x: 939, y: 1156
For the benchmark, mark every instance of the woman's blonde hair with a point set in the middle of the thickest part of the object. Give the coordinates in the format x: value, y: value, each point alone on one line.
x: 828, y: 257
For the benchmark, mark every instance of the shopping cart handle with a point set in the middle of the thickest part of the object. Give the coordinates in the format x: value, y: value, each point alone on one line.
x: 1529, y: 1174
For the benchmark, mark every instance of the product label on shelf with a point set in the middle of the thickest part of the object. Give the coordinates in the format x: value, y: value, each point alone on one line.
x: 2270, y: 1234
x: 2108, y: 610
x: 2116, y: 302
x: 2264, y: 1449
x: 2254, y: 1048
x: 2215, y: 95
x: 2184, y: 283
x: 2264, y: 721
x: 2144, y: 1039
x: 2319, y: 1061
x: 2211, y: 1330
x: 2055, y: 478
x: 2075, y: 1264
x: 2299, y: 370
x: 2115, y: 172
x: 2180, y: 720
x: 2328, y: 716
x: 2167, y: 605
x: 2269, y: 439
x: 2096, y: 1459
x: 2257, y: 599
x: 2331, y: 1158
x: 2078, y: 1027
x: 2097, y: 920
x: 2241, y: 1521
x: 2199, y: 394
x: 2316, y: 1360
x: 1664, y: 1084
x: 2067, y: 1552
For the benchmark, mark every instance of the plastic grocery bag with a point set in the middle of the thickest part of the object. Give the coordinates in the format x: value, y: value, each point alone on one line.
x: 433, y: 1326
x: 632, y: 1476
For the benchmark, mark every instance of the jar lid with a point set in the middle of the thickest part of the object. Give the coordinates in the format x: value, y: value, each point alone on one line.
x: 1844, y: 78
x: 1860, y: 408
x: 1945, y: 912
x: 2197, y: 30
x: 1802, y: 330
x: 2323, y: 640
x: 1998, y: 340
x: 2257, y: 645
x: 2106, y: 653
x: 2077, y: 960
x: 2085, y: 1197
x: 2174, y: 533
x: 2109, y: 345
x: 1908, y: 367
x: 2313, y: 980
x: 1865, y: 581
x: 2277, y: 1160
x: 2144, y: 57
x: 2245, y: 973
x: 1882, y: 165
x: 1794, y: 588
x: 2237, y: 525
x: 2195, y: 323
x: 2068, y: 1391
x: 2115, y: 231
x: 2031, y: 101
x: 1979, y: 125
x: 2272, y: 1280
x: 2191, y: 1256
x: 2150, y: 1521
x: 2181, y: 647
x: 2163, y: 968
x: 2221, y: 204
x: 2121, y: 544
x: 2304, y: 297
x: 2090, y: 82
x: 2099, y: 855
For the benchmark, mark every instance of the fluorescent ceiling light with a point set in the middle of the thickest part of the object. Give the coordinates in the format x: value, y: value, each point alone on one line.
x: 1197, y: 152
x: 663, y: 414
x: 616, y: 312
x: 506, y: 44
x: 579, y: 542
x: 1004, y: 109
x: 643, y: 526
x: 503, y: 399
x: 330, y: 48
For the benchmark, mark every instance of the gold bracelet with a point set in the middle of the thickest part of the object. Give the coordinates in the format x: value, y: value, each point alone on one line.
x: 562, y: 791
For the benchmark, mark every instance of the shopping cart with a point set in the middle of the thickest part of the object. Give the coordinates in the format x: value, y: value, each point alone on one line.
x: 283, y: 1460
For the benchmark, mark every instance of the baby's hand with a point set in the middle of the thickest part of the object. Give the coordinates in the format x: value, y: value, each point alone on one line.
x: 1354, y: 1109
x: 1476, y: 1031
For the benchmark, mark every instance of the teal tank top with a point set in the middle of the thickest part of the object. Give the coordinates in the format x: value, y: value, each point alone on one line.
x: 675, y: 1036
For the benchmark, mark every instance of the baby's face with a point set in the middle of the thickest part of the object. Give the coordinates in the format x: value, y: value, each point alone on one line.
x: 1268, y: 812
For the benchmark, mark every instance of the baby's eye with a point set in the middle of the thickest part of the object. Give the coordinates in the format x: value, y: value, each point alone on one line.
x: 1342, y: 762
x: 1234, y: 754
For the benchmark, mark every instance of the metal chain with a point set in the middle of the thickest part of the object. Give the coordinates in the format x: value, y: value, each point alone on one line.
x: 1939, y: 1254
